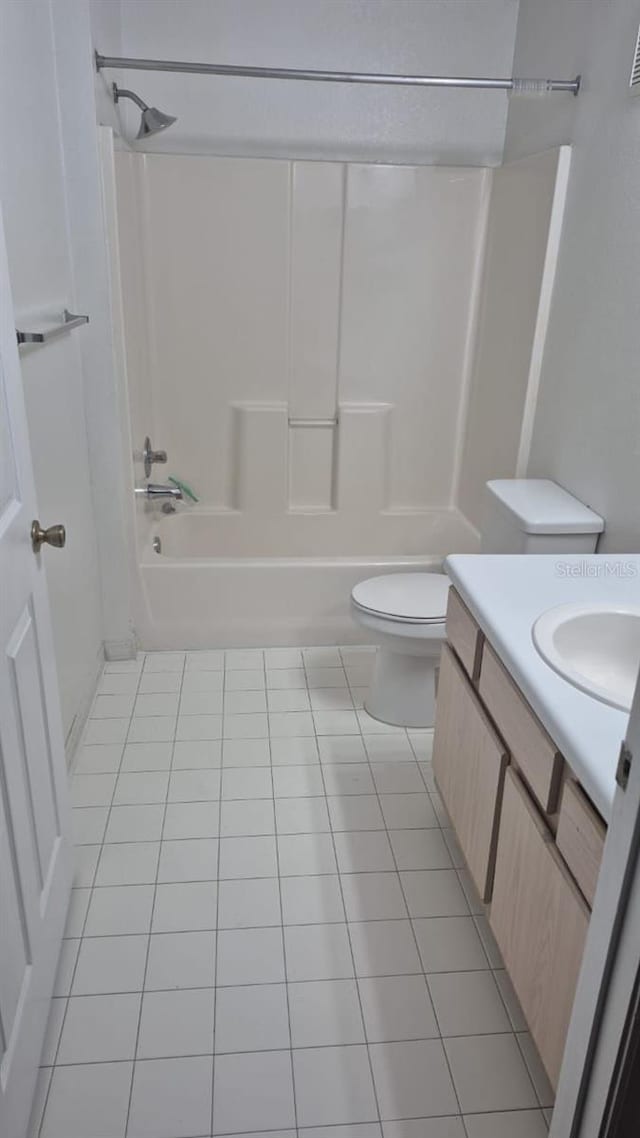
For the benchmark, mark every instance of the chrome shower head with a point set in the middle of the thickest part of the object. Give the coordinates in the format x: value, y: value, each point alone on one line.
x: 152, y: 120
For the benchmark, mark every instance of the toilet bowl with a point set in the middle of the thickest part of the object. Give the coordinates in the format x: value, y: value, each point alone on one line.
x: 406, y: 613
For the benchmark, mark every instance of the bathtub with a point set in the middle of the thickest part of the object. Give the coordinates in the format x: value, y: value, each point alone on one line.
x: 209, y: 578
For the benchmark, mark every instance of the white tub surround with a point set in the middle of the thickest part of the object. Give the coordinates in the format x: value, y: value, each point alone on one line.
x: 506, y: 595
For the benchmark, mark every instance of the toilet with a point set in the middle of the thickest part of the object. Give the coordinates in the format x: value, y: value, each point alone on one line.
x: 405, y: 612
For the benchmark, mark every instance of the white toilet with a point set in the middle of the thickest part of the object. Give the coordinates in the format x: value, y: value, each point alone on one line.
x: 406, y: 611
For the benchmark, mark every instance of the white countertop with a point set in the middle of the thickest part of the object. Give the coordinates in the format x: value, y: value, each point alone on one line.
x: 506, y: 595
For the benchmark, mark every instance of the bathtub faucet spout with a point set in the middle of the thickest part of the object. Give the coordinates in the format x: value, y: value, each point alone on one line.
x: 153, y: 490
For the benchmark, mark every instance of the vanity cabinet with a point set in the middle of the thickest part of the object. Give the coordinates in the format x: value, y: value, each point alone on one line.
x: 531, y: 838
x: 469, y: 761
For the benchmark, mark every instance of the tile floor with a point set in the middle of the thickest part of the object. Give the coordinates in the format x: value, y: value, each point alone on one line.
x: 271, y: 930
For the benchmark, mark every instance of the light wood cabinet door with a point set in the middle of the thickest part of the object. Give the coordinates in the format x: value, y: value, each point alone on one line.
x: 539, y: 919
x: 469, y: 762
x: 463, y: 635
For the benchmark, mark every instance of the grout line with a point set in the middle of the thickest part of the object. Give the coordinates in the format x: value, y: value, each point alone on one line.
x: 217, y: 928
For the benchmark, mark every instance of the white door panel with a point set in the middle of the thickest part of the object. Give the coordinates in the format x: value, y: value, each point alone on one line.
x: 35, y: 874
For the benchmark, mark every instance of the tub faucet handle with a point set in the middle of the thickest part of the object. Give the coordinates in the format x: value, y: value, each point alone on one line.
x: 150, y: 456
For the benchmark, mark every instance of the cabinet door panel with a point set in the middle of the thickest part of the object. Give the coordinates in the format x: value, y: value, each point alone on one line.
x: 464, y: 635
x: 539, y: 920
x: 469, y: 761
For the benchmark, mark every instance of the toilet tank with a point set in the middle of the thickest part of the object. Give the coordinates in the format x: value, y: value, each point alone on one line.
x: 535, y: 515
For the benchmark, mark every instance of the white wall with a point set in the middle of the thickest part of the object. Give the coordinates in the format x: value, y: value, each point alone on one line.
x: 587, y: 429
x: 249, y: 116
x: 37, y: 224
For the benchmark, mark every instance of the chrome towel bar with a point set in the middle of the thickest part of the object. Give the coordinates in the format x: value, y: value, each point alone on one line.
x: 70, y: 320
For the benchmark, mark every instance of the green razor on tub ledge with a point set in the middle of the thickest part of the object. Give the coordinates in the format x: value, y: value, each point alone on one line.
x: 184, y: 486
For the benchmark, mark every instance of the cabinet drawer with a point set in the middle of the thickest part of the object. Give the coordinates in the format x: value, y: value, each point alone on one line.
x: 580, y: 837
x: 469, y: 762
x: 539, y: 919
x: 534, y: 752
x: 464, y: 635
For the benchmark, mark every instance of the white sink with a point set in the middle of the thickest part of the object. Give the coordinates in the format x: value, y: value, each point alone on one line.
x: 595, y: 647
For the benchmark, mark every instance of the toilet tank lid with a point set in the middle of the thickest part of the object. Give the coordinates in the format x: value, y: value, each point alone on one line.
x: 539, y: 505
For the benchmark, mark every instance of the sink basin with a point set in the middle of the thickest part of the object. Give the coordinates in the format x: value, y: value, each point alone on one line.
x: 595, y: 647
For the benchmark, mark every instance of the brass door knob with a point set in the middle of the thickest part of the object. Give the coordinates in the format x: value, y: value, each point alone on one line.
x: 54, y: 535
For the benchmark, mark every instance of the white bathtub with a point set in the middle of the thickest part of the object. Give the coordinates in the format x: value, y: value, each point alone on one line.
x: 214, y: 582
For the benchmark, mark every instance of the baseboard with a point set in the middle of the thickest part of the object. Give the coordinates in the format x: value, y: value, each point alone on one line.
x: 120, y: 649
x: 80, y: 718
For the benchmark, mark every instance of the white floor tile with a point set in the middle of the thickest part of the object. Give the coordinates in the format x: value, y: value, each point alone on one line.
x: 412, y: 1079
x: 164, y: 661
x: 304, y: 854
x: 246, y: 817
x: 200, y: 703
x: 202, y: 681
x: 509, y: 1124
x: 249, y: 679
x: 371, y: 726
x: 191, y: 820
x: 422, y: 743
x: 311, y: 900
x: 384, y: 948
x: 244, y: 702
x: 297, y: 782
x: 270, y: 1103
x: 449, y: 944
x: 322, y: 657
x: 331, y: 699
x: 128, y: 863
x: 333, y: 1085
x: 489, y: 942
x: 147, y: 756
x: 252, y: 1018
x: 246, y: 753
x: 325, y: 1012
x: 99, y: 1029
x: 119, y: 909
x: 289, y: 699
x: 336, y: 723
x: 471, y: 893
x: 158, y: 703
x: 141, y: 789
x: 171, y: 1098
x: 246, y: 726
x: 88, y: 1099
x: 250, y: 956
x: 317, y: 952
x: 120, y: 684
x: 397, y: 1008
x: 106, y: 731
x: 302, y: 816
x: 153, y: 683
x: 181, y: 960
x: 448, y: 1127
x: 283, y: 658
x: 112, y: 706
x: 322, y: 677
x: 294, y: 752
x: 195, y: 728
x: 408, y: 811
x: 113, y: 667
x: 363, y: 851
x: 373, y: 896
x: 152, y: 729
x: 235, y: 658
x: 176, y: 1023
x: 491, y: 1076
x: 85, y: 862
x: 342, y: 749
x: 185, y: 907
x: 420, y: 849
x: 190, y: 859
x: 282, y: 679
x: 249, y: 903
x: 290, y: 724
x: 467, y: 1003
x: 92, y: 789
x: 135, y: 824
x: 434, y: 893
x: 355, y: 812
x: 194, y: 786
x: 76, y: 916
x: 88, y: 824
x: 389, y: 749
x: 103, y: 759
x: 348, y: 778
x: 110, y: 964
x: 397, y: 778
x: 248, y: 857
x: 246, y: 782
x: 204, y: 661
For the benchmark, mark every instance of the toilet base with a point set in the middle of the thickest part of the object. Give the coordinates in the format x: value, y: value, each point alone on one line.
x: 403, y: 688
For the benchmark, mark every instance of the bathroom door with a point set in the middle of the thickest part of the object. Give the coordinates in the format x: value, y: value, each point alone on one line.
x: 35, y: 873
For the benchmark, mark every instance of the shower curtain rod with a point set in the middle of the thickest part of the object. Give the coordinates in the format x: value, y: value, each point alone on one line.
x: 518, y: 86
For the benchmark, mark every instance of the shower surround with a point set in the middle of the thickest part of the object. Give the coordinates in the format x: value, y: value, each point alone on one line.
x: 298, y: 338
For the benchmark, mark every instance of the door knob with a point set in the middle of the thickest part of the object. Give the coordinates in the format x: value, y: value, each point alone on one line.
x: 54, y: 535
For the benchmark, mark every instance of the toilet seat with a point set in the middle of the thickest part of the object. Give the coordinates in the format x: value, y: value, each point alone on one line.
x: 405, y: 598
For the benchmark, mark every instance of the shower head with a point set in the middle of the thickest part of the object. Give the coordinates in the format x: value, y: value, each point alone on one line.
x: 152, y: 119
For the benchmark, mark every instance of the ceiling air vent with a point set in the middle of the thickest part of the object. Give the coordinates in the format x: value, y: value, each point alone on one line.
x: 634, y: 78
